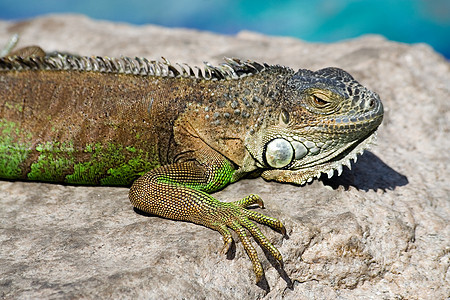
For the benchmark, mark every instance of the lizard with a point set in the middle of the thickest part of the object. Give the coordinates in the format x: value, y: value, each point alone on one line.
x: 175, y: 134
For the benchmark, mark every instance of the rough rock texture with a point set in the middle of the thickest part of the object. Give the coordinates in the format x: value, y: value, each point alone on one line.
x: 379, y: 231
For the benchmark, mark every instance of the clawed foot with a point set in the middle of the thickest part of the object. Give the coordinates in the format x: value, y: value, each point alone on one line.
x: 234, y: 215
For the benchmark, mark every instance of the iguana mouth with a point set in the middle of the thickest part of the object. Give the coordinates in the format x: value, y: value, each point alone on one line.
x: 328, y: 165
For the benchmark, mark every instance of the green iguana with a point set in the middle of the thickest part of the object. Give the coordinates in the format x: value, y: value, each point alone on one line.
x: 178, y: 133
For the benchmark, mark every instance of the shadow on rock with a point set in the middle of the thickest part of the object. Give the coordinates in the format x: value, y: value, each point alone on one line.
x: 368, y: 173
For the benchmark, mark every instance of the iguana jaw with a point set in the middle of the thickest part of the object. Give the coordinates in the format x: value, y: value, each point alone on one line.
x: 307, y: 174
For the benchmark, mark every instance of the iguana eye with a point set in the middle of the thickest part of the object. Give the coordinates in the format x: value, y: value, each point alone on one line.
x: 319, y: 101
x: 279, y: 153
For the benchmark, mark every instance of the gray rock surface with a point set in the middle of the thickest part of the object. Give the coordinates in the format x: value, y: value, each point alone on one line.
x: 379, y: 231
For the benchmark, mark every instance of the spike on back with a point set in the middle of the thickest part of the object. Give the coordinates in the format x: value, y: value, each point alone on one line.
x: 233, y: 68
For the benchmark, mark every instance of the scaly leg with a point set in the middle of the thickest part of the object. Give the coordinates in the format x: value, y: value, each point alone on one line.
x: 180, y: 191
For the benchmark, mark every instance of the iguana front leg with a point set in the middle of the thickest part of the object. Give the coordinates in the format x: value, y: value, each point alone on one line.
x: 179, y: 191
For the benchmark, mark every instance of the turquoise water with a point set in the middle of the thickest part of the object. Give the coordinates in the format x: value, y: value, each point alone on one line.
x: 409, y: 21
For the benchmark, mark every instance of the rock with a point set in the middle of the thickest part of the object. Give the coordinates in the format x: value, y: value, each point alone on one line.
x: 379, y: 231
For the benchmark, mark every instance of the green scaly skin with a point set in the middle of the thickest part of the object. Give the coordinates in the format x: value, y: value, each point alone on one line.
x: 177, y: 135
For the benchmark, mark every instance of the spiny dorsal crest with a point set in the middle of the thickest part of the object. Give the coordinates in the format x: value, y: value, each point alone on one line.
x: 233, y: 68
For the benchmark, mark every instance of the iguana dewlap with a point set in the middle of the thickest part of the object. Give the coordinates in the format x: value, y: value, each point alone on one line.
x: 177, y: 133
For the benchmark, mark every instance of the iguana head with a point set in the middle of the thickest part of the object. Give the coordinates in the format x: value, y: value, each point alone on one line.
x: 324, y: 119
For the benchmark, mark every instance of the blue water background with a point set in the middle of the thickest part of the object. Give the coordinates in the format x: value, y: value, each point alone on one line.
x: 409, y: 21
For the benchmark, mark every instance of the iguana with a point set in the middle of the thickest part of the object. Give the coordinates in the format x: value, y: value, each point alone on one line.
x: 176, y: 133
